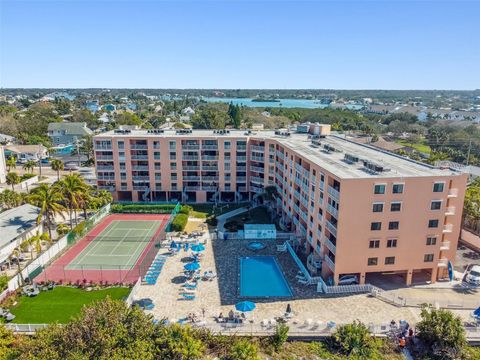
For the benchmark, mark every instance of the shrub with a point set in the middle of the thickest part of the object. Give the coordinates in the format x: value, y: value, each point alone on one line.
x: 3, y: 282
x: 142, y: 208
x: 212, y: 220
x: 179, y: 222
x: 244, y: 349
x: 185, y: 209
x: 355, y: 340
x: 280, y: 336
x: 179, y: 342
x: 26, y: 177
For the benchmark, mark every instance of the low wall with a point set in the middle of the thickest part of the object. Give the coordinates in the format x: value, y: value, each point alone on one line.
x: 25, y: 185
x: 471, y: 239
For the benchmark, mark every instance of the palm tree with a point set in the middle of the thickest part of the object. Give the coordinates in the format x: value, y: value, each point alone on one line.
x: 57, y: 165
x: 12, y: 179
x: 49, y: 199
x: 72, y: 188
x: 11, y: 163
x: 29, y: 165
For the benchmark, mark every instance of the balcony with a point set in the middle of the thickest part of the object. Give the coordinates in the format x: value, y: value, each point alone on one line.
x: 332, y: 210
x: 241, y: 147
x: 210, y: 178
x: 209, y: 147
x: 192, y: 188
x: 442, y: 262
x: 138, y: 147
x: 304, y: 216
x: 280, y: 155
x: 140, y: 168
x: 334, y: 193
x: 209, y: 157
x: 257, y: 158
x: 106, y: 187
x: 448, y: 228
x: 322, y: 185
x: 256, y: 148
x: 299, y: 167
x: 241, y: 158
x: 190, y: 168
x: 330, y: 245
x: 241, y: 188
x: 330, y: 263
x: 103, y: 147
x: 210, y: 167
x: 450, y: 210
x: 257, y: 169
x: 256, y: 189
x: 257, y: 180
x: 141, y: 178
x: 453, y: 193
x: 140, y: 187
x: 332, y: 228
x: 209, y: 187
x: 241, y: 168
x: 104, y: 157
x: 319, y: 217
x: 297, y: 194
x: 105, y: 168
x: 106, y: 177
x: 191, y: 178
x: 190, y: 147
x: 241, y: 179
x: 139, y: 157
x: 445, y: 245
x: 190, y: 157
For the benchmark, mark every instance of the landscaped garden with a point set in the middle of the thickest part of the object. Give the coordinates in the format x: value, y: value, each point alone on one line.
x: 60, y: 304
x: 257, y: 215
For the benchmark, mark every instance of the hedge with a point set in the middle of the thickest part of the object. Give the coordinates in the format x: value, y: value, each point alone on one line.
x: 179, y: 222
x: 185, y: 209
x: 142, y: 208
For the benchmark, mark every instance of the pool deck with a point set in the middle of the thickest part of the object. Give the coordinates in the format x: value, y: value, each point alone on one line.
x: 220, y: 295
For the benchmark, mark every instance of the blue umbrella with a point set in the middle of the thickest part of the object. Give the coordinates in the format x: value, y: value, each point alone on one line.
x: 476, y: 313
x: 198, y: 247
x: 192, y: 266
x: 173, y: 244
x: 245, y: 306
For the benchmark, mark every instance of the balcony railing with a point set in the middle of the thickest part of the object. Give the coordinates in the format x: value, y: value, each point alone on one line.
x: 256, y: 189
x: 138, y: 147
x: 140, y: 178
x: 257, y: 169
x: 209, y: 147
x: 334, y: 193
x: 241, y: 179
x: 210, y: 167
x: 330, y: 263
x: 140, y: 168
x: 319, y: 217
x: 210, y: 178
x: 257, y: 158
x: 104, y: 157
x: 139, y: 157
x: 448, y: 228
x: 257, y: 148
x: 191, y: 178
x: 453, y: 193
x: 242, y: 188
x: 330, y: 245
x: 103, y: 147
x: 106, y: 187
x: 241, y: 168
x: 209, y: 188
x: 332, y: 228
x: 190, y: 168
x: 190, y: 157
x: 332, y: 210
x: 209, y: 157
x: 241, y: 158
x: 192, y: 188
x: 241, y: 147
x: 257, y: 180
x: 442, y: 262
x: 106, y: 177
x: 450, y: 210
x: 280, y: 155
x: 445, y: 245
x: 190, y: 147
x: 105, y: 168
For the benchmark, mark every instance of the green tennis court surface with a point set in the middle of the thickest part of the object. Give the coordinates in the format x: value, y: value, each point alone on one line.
x: 118, y: 246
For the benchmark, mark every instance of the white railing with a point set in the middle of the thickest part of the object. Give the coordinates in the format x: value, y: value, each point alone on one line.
x: 330, y: 263
x: 445, y: 245
x: 450, y: 210
x: 448, y: 228
x: 453, y: 193
x: 132, y: 296
x: 25, y: 328
x: 333, y: 193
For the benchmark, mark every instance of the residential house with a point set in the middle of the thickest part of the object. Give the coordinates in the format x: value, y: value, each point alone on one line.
x: 67, y: 133
x: 24, y: 153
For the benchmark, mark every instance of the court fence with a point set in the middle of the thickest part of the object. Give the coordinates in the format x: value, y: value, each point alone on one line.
x: 85, y: 226
x: 174, y: 213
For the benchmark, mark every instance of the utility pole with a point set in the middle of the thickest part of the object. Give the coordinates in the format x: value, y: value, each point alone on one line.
x: 77, y: 142
x: 39, y: 161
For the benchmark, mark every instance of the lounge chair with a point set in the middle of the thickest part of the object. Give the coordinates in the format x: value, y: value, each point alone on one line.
x: 188, y: 296
x: 305, y: 282
x: 9, y: 317
x: 190, y: 286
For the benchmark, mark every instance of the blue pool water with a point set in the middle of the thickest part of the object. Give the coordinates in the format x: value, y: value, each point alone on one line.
x: 260, y: 276
x: 284, y: 103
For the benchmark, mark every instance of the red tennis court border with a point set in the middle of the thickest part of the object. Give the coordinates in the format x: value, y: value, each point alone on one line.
x: 57, y: 270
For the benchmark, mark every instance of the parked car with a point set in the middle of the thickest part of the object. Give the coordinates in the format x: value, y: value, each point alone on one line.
x: 348, y: 280
x: 71, y: 167
x: 473, y: 275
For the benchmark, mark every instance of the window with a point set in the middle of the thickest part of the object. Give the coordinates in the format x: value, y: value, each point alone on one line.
x: 432, y: 223
x: 393, y: 225
x: 377, y: 207
x: 372, y: 261
x: 376, y: 226
x: 392, y: 243
x: 436, y: 205
x: 173, y: 155
x: 157, y: 166
x: 374, y: 244
x: 156, y: 155
x: 173, y: 176
x: 172, y: 145
x: 438, y: 187
x: 174, y: 186
x: 227, y: 145
x: 173, y: 166
x: 379, y: 189
x: 397, y: 189
x: 431, y: 240
x: 390, y: 260
x: 428, y: 258
x: 395, y: 206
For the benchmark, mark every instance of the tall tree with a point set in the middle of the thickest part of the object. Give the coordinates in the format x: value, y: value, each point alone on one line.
x: 11, y: 163
x: 57, y: 165
x: 13, y: 179
x: 50, y: 201
x: 72, y: 188
x: 29, y: 166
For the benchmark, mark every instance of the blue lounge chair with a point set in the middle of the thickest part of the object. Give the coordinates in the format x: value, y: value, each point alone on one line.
x: 188, y: 296
x: 190, y: 286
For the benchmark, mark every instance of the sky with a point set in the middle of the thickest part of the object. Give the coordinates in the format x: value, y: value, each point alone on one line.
x: 240, y: 44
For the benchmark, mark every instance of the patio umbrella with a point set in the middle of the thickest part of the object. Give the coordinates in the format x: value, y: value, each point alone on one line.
x: 476, y: 313
x: 173, y: 244
x: 192, y: 266
x: 245, y: 306
x: 198, y: 247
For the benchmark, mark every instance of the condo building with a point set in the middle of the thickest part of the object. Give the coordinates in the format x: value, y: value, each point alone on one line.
x: 355, y: 209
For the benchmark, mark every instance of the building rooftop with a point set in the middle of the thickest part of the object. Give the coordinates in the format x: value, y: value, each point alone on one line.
x: 16, y: 221
x: 331, y: 158
x: 70, y: 128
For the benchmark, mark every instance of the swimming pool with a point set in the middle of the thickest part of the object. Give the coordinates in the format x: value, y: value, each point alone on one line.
x: 260, y: 276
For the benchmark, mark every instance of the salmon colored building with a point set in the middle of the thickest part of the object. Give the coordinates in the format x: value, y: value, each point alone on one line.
x: 356, y: 209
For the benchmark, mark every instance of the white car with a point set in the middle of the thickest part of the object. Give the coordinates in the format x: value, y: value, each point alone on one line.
x: 473, y: 275
x: 348, y: 280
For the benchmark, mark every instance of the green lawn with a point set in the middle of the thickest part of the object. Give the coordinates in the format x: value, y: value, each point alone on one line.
x: 258, y: 215
x: 59, y: 304
x: 417, y: 146
x: 203, y: 210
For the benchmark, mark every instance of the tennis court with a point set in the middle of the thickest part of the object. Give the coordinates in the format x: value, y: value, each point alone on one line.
x: 119, y: 245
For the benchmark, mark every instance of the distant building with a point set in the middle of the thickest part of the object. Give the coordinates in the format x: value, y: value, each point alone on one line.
x: 67, y: 133
x: 5, y: 139
x: 109, y: 107
x: 17, y: 224
x: 24, y: 153
x: 381, y: 143
x: 92, y: 105
x: 188, y: 111
x: 104, y: 118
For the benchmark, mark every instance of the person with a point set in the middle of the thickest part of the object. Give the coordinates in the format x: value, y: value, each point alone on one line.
x: 203, y: 313
x: 402, y: 342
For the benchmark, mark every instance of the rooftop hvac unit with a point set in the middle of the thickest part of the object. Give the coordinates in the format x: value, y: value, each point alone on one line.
x: 351, y: 158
